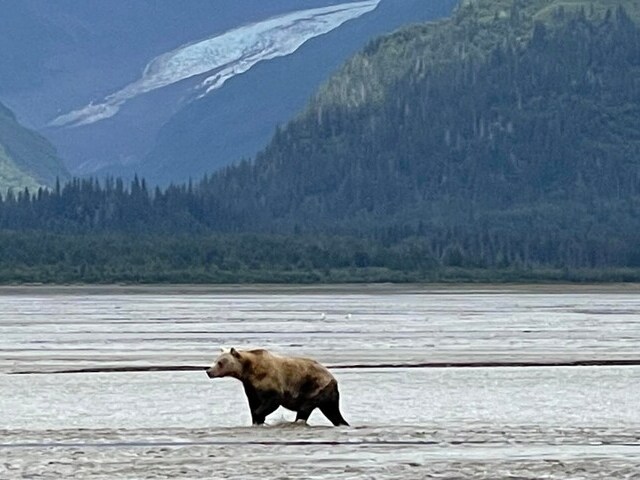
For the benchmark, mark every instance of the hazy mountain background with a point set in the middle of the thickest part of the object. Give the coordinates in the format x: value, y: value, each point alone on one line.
x: 60, y: 56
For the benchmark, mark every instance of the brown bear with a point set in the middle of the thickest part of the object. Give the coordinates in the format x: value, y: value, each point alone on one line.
x: 270, y: 381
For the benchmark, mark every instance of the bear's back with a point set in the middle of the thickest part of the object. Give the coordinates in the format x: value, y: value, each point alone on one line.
x: 271, y: 371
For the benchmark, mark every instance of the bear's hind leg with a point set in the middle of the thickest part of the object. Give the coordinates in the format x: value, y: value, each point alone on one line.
x: 330, y: 406
x: 331, y: 410
x: 304, y: 413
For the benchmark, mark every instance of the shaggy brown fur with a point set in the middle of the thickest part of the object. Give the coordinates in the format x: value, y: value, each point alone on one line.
x: 269, y: 380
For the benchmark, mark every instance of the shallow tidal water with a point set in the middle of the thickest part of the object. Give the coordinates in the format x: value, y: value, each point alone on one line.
x: 498, y: 422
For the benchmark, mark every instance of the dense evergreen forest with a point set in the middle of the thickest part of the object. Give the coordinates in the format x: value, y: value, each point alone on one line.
x: 518, y: 156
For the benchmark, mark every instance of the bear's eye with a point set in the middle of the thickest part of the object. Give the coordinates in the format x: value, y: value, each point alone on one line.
x: 220, y: 363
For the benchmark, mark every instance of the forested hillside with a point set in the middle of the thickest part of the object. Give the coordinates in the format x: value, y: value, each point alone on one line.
x: 512, y: 133
x: 549, y: 119
x: 506, y: 137
x: 26, y: 158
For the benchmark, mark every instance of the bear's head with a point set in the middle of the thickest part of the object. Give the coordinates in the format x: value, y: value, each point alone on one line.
x: 228, y: 364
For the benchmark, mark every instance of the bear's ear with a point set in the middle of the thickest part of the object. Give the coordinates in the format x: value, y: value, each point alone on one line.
x: 234, y: 352
x: 225, y: 350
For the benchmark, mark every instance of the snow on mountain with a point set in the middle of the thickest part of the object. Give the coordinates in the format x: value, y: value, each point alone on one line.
x: 224, y: 56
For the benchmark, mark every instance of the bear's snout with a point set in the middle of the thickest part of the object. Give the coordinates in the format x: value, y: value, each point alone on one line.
x: 210, y: 373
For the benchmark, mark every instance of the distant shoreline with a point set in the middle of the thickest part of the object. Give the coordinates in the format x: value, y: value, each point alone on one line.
x: 306, y: 289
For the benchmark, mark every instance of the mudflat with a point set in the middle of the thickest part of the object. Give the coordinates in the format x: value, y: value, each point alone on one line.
x: 481, y: 422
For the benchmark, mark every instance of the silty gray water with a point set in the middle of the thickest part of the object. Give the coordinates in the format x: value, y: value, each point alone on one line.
x: 461, y: 422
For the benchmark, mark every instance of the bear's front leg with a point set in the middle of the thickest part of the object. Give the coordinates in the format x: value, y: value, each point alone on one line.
x: 269, y: 403
x: 252, y: 397
x: 261, y: 404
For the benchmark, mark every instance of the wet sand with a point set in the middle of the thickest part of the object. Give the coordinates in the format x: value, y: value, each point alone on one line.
x: 526, y: 423
x: 45, y: 329
x: 319, y: 453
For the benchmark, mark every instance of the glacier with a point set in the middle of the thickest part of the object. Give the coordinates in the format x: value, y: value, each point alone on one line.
x: 224, y: 56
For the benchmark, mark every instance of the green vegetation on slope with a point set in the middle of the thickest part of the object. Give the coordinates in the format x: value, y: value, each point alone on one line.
x: 12, y: 177
x: 474, y: 31
x: 26, y: 158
